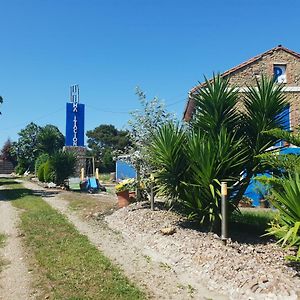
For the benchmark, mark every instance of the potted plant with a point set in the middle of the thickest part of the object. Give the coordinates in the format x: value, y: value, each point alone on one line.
x: 122, y: 191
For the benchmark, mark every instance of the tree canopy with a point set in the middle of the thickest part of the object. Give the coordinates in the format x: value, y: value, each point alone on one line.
x: 103, y: 141
x: 34, y: 140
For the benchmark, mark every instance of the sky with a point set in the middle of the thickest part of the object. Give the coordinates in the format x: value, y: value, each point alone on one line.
x: 109, y: 47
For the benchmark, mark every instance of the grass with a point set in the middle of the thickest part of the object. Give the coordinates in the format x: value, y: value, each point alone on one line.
x: 87, y: 204
x: 67, y: 265
x: 2, y: 243
x: 253, y: 219
x: 104, y: 177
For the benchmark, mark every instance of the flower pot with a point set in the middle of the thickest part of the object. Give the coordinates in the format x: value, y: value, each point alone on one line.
x: 123, y: 198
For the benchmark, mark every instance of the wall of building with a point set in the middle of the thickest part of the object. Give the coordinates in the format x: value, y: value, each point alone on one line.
x: 264, y: 66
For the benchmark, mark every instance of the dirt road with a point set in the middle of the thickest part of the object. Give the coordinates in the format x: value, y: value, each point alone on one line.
x: 15, y: 280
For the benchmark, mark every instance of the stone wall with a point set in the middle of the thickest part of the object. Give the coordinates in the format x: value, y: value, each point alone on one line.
x: 264, y: 66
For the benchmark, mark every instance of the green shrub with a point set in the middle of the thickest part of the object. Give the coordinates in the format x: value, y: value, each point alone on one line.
x: 41, y: 172
x: 39, y: 161
x: 286, y: 200
x: 20, y: 168
x: 63, y: 165
x: 49, y: 174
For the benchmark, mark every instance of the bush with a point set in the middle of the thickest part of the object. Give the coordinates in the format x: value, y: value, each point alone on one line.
x: 41, y: 172
x: 286, y: 200
x: 63, y: 166
x: 20, y: 168
x: 49, y: 174
x: 39, y: 161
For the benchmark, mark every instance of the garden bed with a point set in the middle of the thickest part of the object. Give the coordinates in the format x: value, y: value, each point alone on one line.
x: 248, y: 266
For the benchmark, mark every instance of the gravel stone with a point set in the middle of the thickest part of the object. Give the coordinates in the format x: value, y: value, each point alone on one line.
x: 239, y: 270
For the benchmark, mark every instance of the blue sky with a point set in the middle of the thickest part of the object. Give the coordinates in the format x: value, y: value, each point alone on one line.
x: 110, y: 47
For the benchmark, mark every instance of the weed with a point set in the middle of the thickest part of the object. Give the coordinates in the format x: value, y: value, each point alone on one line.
x: 2, y: 242
x: 165, y: 266
x: 191, y: 290
x: 148, y: 258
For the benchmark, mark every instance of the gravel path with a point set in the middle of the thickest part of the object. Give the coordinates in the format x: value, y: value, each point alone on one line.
x: 15, y: 280
x: 149, y: 270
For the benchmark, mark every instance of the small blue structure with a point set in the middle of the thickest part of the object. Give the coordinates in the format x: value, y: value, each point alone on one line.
x: 255, y: 190
x: 124, y: 169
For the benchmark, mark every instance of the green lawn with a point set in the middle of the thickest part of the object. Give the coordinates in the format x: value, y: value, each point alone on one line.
x: 253, y: 219
x: 66, y: 264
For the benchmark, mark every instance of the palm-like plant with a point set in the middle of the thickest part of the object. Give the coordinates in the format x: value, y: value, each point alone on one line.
x: 222, y: 144
x: 287, y: 201
x: 263, y: 107
x: 167, y: 154
x: 215, y: 106
x: 211, y: 159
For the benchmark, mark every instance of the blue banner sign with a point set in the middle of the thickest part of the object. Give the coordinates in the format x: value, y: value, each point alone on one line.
x: 75, y: 124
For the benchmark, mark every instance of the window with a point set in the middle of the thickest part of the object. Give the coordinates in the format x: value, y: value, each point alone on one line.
x: 279, y: 73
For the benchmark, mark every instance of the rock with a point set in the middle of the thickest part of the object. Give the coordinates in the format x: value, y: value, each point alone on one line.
x: 51, y: 185
x: 168, y: 230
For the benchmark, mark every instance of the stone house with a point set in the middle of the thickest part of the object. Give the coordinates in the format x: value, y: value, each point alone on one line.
x: 281, y: 63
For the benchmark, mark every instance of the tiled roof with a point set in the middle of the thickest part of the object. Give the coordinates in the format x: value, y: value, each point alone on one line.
x: 190, y: 103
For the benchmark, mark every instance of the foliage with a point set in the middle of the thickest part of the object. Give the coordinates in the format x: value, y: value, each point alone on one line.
x: 221, y: 144
x: 285, y: 192
x: 41, y: 172
x: 40, y: 160
x: 62, y: 165
x: 103, y: 141
x: 252, y: 219
x: 216, y: 107
x: 50, y: 139
x: 169, y: 160
x: 49, y: 173
x: 290, y: 137
x: 7, y: 154
x: 189, y: 164
x: 263, y: 107
x: 1, y: 101
x: 286, y: 200
x: 26, y: 148
x: 34, y: 140
x: 125, y: 185
x: 280, y: 164
x: 143, y: 124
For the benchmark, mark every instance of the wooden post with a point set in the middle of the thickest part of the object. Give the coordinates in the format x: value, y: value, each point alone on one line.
x: 224, y: 233
x: 97, y: 173
x: 152, y: 196
x: 82, y: 174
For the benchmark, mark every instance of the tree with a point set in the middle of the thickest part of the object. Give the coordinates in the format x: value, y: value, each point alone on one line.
x: 26, y: 148
x: 35, y: 140
x: 1, y: 101
x: 50, y: 139
x: 103, y: 141
x: 142, y: 126
x: 7, y: 154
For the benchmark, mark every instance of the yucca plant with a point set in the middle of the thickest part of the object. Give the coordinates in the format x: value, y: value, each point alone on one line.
x: 263, y: 105
x: 221, y: 143
x: 168, y: 157
x: 287, y: 200
x: 211, y: 159
x: 215, y: 106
